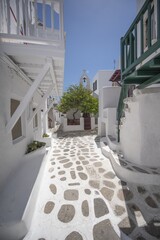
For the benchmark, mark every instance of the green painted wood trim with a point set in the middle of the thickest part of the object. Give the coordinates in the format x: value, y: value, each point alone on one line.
x: 149, y: 25
x: 158, y: 19
x: 152, y: 49
x: 134, y: 81
x: 147, y: 72
x: 137, y: 19
x: 135, y: 43
x: 149, y: 82
x: 126, y: 53
x: 142, y: 36
x: 122, y: 54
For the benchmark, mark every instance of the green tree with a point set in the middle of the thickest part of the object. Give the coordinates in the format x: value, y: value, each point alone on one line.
x: 78, y: 98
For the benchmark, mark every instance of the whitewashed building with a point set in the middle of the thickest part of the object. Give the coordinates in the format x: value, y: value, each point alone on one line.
x: 32, y: 48
x: 138, y: 111
x: 108, y: 96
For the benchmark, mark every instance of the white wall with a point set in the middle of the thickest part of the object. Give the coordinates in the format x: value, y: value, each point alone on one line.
x: 111, y: 97
x: 13, y: 86
x: 67, y: 128
x: 111, y: 122
x: 108, y: 102
x: 140, y: 133
x: 102, y: 77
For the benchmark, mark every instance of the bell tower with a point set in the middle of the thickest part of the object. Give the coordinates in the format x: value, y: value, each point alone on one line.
x: 84, y: 80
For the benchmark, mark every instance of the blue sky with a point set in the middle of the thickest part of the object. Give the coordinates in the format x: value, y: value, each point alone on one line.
x: 93, y: 31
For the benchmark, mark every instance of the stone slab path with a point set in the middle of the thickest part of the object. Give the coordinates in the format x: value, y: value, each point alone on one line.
x: 81, y: 198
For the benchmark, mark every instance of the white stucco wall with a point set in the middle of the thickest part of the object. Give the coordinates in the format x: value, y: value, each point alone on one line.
x: 111, y: 122
x: 108, y: 102
x: 140, y: 133
x: 67, y: 128
x: 110, y: 97
x: 13, y: 86
x: 102, y: 77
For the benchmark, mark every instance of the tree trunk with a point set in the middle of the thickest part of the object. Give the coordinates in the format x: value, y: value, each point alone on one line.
x: 74, y: 114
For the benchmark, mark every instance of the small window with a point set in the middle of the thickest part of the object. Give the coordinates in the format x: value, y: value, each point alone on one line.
x: 35, y: 121
x: 17, y: 129
x: 95, y: 86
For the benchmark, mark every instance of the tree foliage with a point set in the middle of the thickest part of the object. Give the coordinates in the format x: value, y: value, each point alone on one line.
x: 79, y: 98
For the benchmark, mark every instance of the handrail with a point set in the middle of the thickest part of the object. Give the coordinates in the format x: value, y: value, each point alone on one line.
x: 25, y: 18
x: 139, y: 37
x: 137, y: 18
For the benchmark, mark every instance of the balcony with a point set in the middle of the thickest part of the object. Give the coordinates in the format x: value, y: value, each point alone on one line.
x: 140, y: 47
x: 32, y: 36
x: 31, y: 21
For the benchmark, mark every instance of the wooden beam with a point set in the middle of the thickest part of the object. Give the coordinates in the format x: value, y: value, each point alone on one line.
x: 8, y: 17
x: 53, y: 77
x: 149, y: 82
x: 26, y: 17
x: 142, y: 35
x: 21, y: 108
x: 36, y: 17
x: 52, y: 15
x: 18, y: 17
x: 50, y: 89
x: 131, y: 81
x: 14, y: 66
x: 146, y: 72
x: 31, y: 50
x: 158, y: 19
x: 149, y: 26
x: 135, y: 43
x: 44, y: 15
x: 50, y: 106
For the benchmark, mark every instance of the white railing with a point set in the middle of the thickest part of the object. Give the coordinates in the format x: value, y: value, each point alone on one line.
x: 32, y: 18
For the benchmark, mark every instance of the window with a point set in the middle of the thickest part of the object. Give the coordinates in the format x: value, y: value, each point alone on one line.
x: 17, y: 129
x: 35, y: 121
x: 146, y: 33
x: 95, y: 86
x: 153, y: 24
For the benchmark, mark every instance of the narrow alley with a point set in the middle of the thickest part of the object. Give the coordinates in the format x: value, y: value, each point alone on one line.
x: 81, y: 198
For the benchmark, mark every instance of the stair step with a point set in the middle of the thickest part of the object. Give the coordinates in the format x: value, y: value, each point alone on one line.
x: 130, y: 172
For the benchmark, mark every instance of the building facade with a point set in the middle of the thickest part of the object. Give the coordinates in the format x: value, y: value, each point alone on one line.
x: 32, y: 48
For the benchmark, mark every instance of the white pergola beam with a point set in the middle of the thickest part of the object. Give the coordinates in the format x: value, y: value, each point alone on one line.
x: 21, y: 108
x: 30, y: 65
x: 53, y: 77
x: 17, y: 69
x: 30, y: 50
x: 50, y: 89
x: 50, y: 106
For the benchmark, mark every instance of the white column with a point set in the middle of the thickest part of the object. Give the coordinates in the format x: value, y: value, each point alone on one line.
x: 26, y: 17
x: 45, y: 119
x: 17, y: 13
x: 61, y: 20
x: 38, y: 108
x: 53, y: 76
x: 44, y: 15
x: 8, y: 17
x: 35, y: 16
x: 52, y: 15
x: 21, y: 108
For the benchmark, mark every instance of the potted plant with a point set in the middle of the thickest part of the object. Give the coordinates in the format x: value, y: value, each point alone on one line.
x: 35, y: 148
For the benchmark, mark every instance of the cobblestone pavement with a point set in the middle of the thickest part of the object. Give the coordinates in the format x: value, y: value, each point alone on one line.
x: 81, y: 198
